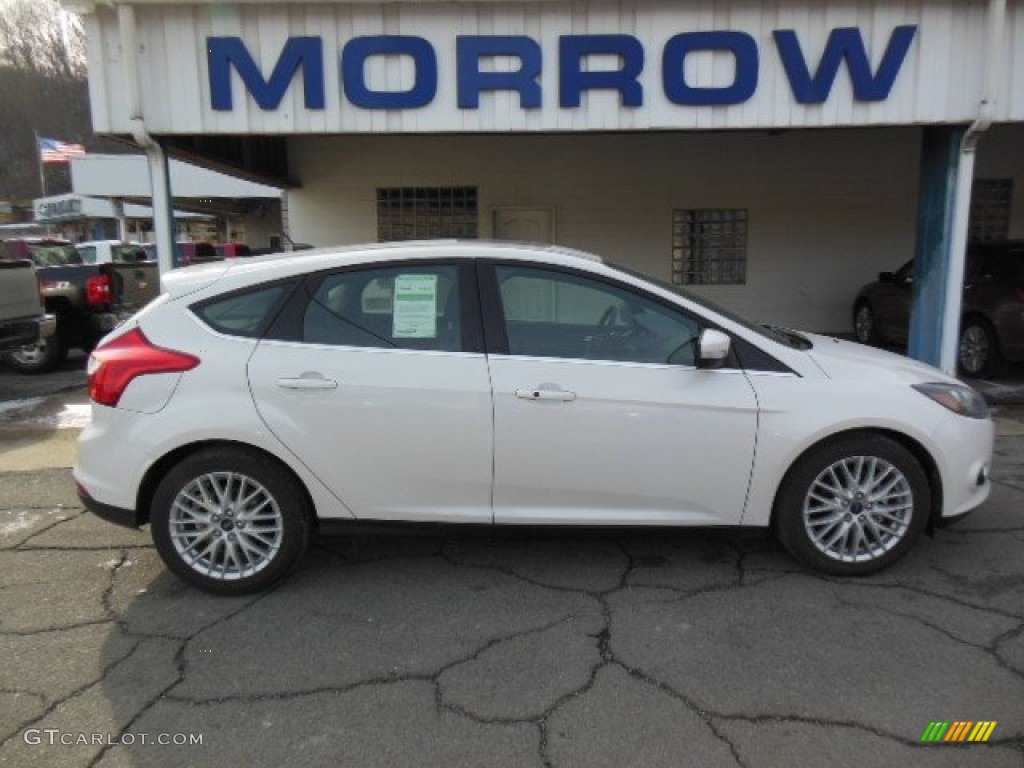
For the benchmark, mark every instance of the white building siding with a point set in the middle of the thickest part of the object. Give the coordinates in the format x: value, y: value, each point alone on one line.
x: 938, y: 82
x: 828, y: 209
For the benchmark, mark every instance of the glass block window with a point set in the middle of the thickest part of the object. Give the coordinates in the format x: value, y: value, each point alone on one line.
x: 709, y: 246
x: 990, y: 209
x: 426, y: 213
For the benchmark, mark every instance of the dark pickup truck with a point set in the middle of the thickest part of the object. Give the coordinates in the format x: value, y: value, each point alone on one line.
x: 88, y: 300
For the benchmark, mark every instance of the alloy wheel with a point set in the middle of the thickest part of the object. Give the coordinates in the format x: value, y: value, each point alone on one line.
x: 30, y: 354
x: 226, y: 526
x: 974, y: 349
x: 864, y: 324
x: 858, y: 509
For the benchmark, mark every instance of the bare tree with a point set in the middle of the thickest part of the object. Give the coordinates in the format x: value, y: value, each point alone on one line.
x: 40, y: 36
x: 42, y: 90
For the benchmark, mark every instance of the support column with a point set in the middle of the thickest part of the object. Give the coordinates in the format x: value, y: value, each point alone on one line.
x: 163, y: 212
x: 122, y: 223
x: 943, y: 206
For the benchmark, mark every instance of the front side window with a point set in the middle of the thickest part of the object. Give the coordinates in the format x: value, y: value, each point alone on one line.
x: 556, y: 314
x: 406, y: 307
x: 128, y: 253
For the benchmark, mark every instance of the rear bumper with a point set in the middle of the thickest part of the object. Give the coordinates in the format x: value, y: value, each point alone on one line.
x: 129, y: 518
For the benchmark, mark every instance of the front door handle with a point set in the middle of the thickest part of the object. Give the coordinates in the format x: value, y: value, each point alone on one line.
x: 307, y: 382
x: 545, y: 394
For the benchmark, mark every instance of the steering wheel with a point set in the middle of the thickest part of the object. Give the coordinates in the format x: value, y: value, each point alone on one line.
x: 609, y: 316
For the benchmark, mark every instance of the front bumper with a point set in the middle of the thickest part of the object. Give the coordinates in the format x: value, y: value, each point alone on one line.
x: 964, y: 458
x: 129, y: 518
x: 21, y: 333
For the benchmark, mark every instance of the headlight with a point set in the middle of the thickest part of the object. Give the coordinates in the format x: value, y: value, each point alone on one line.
x: 957, y: 398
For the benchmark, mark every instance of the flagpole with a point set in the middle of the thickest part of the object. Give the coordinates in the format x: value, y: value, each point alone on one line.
x: 39, y: 159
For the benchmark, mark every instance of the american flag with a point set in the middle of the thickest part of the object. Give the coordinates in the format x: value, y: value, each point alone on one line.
x: 53, y: 151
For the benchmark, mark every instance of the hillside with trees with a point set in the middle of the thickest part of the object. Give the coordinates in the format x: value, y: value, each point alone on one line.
x: 43, y: 90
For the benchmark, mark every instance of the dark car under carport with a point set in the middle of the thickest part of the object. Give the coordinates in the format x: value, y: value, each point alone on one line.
x: 992, y: 325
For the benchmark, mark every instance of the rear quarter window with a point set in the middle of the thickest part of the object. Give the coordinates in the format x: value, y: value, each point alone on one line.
x: 245, y: 313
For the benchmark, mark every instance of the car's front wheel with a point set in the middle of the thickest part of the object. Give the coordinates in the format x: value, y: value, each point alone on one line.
x: 230, y: 521
x: 853, y: 506
x: 41, y: 357
x: 864, y: 327
x: 978, y: 352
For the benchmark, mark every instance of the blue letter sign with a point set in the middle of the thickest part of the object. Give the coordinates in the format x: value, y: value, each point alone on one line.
x: 299, y: 52
x: 469, y: 51
x: 353, y: 71
x: 578, y: 72
x: 843, y: 44
x: 572, y: 49
x: 673, y: 68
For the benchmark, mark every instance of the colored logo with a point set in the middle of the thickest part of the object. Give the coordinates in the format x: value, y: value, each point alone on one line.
x: 958, y: 730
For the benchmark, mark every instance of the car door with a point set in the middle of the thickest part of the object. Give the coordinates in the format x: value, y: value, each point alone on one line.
x: 375, y: 378
x: 600, y: 413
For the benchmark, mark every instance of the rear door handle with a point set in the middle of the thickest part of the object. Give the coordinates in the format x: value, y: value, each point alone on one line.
x: 545, y: 394
x: 307, y: 382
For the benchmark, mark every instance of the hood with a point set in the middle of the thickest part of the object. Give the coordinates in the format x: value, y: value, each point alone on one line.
x: 840, y: 359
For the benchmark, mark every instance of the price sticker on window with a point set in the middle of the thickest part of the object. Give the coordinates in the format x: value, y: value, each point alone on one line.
x: 415, y: 307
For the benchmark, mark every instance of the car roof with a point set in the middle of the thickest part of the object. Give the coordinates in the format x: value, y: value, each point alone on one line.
x: 326, y: 258
x: 239, y: 273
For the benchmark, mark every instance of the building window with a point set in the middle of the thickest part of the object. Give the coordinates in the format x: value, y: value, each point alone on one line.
x: 990, y: 209
x: 426, y: 213
x: 709, y: 246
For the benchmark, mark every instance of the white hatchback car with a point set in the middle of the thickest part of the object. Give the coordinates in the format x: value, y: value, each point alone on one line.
x: 472, y: 382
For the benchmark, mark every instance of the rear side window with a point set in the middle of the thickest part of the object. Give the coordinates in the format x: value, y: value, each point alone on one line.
x: 53, y: 254
x: 246, y: 313
x: 409, y: 307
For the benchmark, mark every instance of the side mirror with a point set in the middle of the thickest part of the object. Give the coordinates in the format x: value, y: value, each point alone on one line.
x: 713, y: 348
x: 886, y: 277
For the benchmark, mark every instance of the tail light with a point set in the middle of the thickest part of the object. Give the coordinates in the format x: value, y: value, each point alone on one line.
x: 113, y: 366
x: 97, y: 290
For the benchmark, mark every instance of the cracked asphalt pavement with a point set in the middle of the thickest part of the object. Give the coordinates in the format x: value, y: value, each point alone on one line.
x: 638, y: 648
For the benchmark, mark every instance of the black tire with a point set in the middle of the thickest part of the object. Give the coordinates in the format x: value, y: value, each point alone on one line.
x: 978, y: 349
x: 37, y: 358
x: 889, y: 521
x: 865, y: 326
x: 89, y: 344
x: 219, y: 524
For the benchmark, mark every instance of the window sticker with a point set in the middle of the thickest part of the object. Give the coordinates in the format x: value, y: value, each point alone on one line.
x: 415, y: 307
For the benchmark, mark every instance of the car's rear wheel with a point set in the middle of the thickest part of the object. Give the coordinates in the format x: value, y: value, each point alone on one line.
x: 41, y: 357
x: 864, y: 327
x: 978, y: 352
x: 853, y: 506
x: 230, y: 521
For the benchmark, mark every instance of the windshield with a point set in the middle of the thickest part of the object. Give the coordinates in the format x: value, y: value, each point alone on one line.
x: 774, y: 332
x: 53, y: 254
